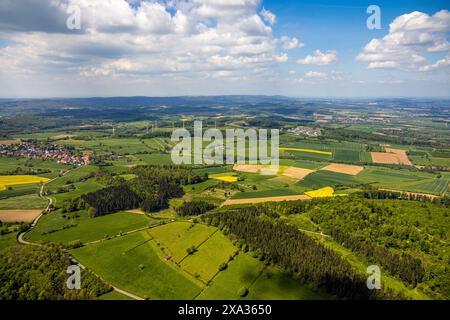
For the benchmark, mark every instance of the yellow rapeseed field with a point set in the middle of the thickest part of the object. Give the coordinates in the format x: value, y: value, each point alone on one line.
x: 321, y: 193
x: 6, y: 181
x: 224, y: 177
x: 307, y: 150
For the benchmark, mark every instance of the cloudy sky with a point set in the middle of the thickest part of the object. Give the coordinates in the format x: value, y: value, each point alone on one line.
x: 206, y: 47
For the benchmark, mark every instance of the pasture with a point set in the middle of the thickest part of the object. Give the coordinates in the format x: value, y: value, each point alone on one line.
x: 241, y: 273
x: 59, y: 228
x: 25, y: 202
x: 274, y: 284
x: 179, y: 236
x: 131, y: 264
x: 205, y: 262
x: 321, y: 179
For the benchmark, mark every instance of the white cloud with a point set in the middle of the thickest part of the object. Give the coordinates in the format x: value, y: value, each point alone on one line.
x: 410, y: 37
x: 149, y: 39
x: 268, y: 16
x: 319, y: 58
x: 445, y: 62
x: 291, y: 43
x: 316, y: 75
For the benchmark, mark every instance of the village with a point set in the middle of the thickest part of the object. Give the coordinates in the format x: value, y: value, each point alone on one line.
x: 33, y: 150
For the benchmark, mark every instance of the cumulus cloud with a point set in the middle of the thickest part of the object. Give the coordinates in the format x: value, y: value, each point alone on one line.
x: 411, y: 36
x: 445, y: 62
x: 319, y: 58
x: 291, y: 43
x: 137, y: 38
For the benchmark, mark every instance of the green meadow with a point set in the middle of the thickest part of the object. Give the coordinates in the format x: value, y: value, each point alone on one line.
x: 59, y: 228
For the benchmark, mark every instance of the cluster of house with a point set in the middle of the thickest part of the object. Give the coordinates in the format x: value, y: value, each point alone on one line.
x: 44, y: 151
x: 305, y: 131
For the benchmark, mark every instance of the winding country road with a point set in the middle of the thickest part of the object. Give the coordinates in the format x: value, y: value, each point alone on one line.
x: 21, y: 240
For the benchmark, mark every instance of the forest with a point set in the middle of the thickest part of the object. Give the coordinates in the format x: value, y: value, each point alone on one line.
x: 150, y: 191
x: 408, y: 238
x: 39, y: 273
x: 298, y: 254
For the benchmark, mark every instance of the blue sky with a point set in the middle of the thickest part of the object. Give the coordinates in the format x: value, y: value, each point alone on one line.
x: 206, y: 47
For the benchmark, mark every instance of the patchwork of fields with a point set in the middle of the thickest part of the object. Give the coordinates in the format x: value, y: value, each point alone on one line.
x: 158, y: 266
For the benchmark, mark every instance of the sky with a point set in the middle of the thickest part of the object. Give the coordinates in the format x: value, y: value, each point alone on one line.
x: 299, y: 48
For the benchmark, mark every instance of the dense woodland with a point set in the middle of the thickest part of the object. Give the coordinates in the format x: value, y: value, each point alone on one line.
x: 407, y: 238
x: 39, y: 273
x: 194, y: 208
x: 151, y: 191
x: 298, y: 254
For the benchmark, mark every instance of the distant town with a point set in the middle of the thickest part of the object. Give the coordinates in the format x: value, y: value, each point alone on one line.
x: 33, y: 150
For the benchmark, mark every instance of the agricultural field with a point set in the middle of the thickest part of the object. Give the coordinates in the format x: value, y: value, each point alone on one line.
x: 65, y: 228
x: 181, y: 249
x: 322, y: 179
x: 9, y: 181
x: 179, y: 236
x: 26, y: 202
x: 131, y: 264
x: 211, y: 254
x: 321, y: 193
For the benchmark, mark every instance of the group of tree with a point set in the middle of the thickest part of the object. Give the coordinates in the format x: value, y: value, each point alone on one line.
x: 194, y: 208
x: 39, y: 273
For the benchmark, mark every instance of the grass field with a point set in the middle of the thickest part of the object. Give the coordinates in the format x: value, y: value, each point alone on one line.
x: 241, y: 273
x: 7, y: 165
x: 436, y: 186
x: 205, y: 263
x: 19, y: 190
x: 26, y: 202
x: 85, y: 229
x: 131, y: 264
x: 347, y: 155
x: 273, y: 284
x: 179, y: 236
x: 321, y: 179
